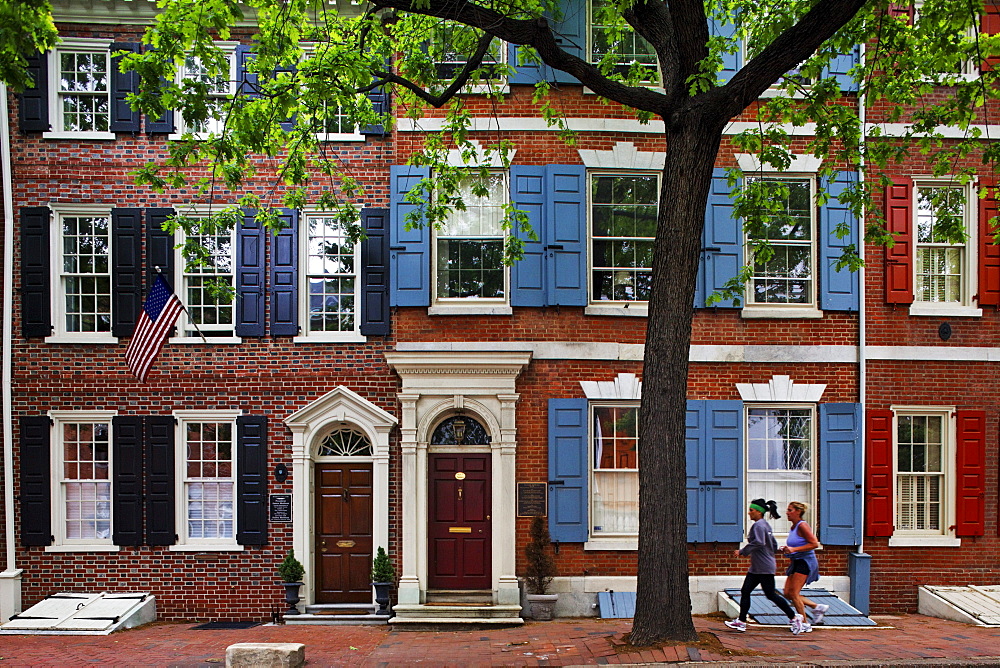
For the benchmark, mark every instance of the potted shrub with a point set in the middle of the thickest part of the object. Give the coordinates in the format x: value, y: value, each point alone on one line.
x: 291, y: 571
x: 541, y: 569
x: 382, y: 578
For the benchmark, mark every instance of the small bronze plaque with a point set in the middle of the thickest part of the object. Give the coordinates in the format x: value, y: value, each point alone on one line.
x: 280, y: 508
x: 459, y: 476
x: 345, y: 543
x: 532, y: 499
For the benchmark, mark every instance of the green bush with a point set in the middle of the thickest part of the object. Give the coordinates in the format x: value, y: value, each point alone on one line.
x: 291, y: 570
x: 382, y: 570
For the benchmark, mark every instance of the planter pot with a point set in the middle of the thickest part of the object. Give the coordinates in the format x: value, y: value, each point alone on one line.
x: 541, y: 606
x: 382, y: 598
x: 291, y: 597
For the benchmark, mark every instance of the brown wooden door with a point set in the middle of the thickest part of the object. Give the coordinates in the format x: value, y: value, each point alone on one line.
x: 459, y: 535
x: 343, y: 533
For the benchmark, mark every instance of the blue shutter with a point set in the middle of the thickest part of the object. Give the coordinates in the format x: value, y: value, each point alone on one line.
x: 722, y: 255
x: 410, y: 250
x: 839, y: 67
x: 694, y: 437
x: 722, y: 469
x: 251, y: 481
x: 36, y: 278
x: 375, y: 320
x: 123, y: 117
x: 158, y: 448
x: 250, y: 277
x: 380, y: 105
x: 570, y: 34
x: 731, y: 62
x: 839, y: 290
x: 568, y: 470
x: 126, y: 272
x: 36, y: 481
x: 126, y: 486
x: 33, y: 107
x: 525, y: 74
x: 841, y: 473
x: 566, y: 234
x: 527, y: 185
x: 284, y: 287
x: 159, y: 246
x: 247, y: 83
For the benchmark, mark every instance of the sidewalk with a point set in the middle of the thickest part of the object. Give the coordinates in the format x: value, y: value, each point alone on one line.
x: 906, y: 640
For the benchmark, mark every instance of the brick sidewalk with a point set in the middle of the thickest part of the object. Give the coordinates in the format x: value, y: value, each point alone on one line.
x: 911, y: 640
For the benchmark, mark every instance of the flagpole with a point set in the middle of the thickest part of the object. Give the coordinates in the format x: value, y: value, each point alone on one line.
x: 184, y: 308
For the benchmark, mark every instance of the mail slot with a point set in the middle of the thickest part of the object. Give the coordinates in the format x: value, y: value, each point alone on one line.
x: 345, y: 543
x: 459, y: 529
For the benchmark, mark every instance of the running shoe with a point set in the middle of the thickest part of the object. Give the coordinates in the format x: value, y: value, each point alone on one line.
x: 819, y: 612
x: 806, y: 627
x: 796, y: 624
x: 736, y: 625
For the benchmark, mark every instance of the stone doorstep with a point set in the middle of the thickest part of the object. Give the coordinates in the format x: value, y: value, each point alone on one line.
x: 468, y: 612
x: 307, y: 619
x: 266, y: 655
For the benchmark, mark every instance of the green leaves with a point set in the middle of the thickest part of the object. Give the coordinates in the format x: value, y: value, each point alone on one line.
x: 26, y: 28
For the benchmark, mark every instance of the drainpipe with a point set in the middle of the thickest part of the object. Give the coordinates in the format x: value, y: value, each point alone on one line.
x: 10, y: 578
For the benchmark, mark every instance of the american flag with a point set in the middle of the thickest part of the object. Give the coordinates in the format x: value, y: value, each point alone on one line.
x: 155, y: 320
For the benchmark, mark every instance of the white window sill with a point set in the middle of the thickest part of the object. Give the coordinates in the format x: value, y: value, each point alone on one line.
x: 751, y: 312
x: 187, y: 340
x: 924, y: 541
x: 637, y: 311
x: 81, y: 338
x: 939, y: 310
x: 619, y: 544
x: 772, y: 93
x: 101, y: 547
x: 341, y: 137
x: 81, y: 136
x: 471, y: 309
x: 486, y: 89
x: 205, y: 548
x: 320, y: 338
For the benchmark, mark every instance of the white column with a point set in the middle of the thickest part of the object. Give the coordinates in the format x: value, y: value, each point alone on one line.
x: 409, y: 581
x: 505, y: 523
x: 301, y: 485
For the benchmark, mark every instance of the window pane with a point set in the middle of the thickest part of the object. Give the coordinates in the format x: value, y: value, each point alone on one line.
x: 623, y: 223
x: 83, y: 92
x: 919, y: 463
x: 615, y: 494
x: 85, y: 277
x: 86, y: 494
x: 786, y: 277
x: 469, y: 246
x: 779, y: 456
x: 940, y: 223
x: 332, y: 278
x: 209, y: 480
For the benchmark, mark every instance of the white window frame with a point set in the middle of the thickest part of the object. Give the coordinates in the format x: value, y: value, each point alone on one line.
x: 341, y: 136
x: 58, y: 294
x: 813, y: 459
x: 180, y: 289
x: 970, y: 71
x: 180, y: 127
x: 811, y: 309
x: 609, y: 537
x: 970, y: 271
x: 466, y: 306
x: 945, y: 537
x: 608, y: 306
x: 58, y: 505
x: 352, y: 336
x: 500, y: 84
x: 75, y: 45
x: 184, y: 542
x: 590, y: 47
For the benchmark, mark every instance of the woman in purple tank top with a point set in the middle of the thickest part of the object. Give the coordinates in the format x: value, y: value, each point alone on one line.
x: 803, y: 568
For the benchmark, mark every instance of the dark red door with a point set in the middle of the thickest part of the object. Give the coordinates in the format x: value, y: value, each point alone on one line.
x: 459, y: 534
x: 343, y: 533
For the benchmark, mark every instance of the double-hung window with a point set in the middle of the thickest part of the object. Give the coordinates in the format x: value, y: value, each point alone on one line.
x: 82, y: 467
x: 206, y: 476
x: 331, y: 278
x: 614, y: 492
x: 457, y: 43
x: 922, y: 453
x: 220, y: 87
x: 469, y: 246
x: 210, y: 310
x: 622, y: 230
x: 781, y: 456
x: 624, y: 46
x: 80, y: 89
x: 942, y: 252
x: 82, y: 257
x: 784, y: 270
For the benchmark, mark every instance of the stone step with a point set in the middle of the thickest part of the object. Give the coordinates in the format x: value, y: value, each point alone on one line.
x: 341, y: 608
x: 335, y: 620
x: 476, y: 613
x: 461, y: 596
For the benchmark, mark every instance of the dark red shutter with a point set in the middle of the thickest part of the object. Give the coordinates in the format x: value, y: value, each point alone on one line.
x: 990, y: 26
x: 970, y: 469
x: 989, y: 252
x: 878, y: 509
x: 899, y: 258
x: 902, y: 10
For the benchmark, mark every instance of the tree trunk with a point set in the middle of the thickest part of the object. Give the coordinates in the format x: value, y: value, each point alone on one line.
x: 663, y: 603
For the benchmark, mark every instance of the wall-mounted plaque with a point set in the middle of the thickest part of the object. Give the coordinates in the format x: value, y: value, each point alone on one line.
x: 280, y: 508
x: 532, y: 498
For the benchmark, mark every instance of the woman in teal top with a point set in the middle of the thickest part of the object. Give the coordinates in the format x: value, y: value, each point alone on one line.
x: 803, y: 568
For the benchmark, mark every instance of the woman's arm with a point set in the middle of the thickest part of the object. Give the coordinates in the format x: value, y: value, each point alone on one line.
x: 808, y: 536
x: 755, y: 540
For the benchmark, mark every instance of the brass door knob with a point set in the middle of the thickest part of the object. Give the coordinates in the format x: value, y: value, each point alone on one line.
x: 322, y: 546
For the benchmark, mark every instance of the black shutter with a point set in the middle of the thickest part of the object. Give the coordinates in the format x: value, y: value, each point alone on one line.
x: 34, y: 102
x: 251, y: 485
x: 375, y: 273
x: 36, y: 280
x: 250, y: 277
x: 126, y: 276
x: 165, y: 123
x: 159, y: 458
x: 380, y: 105
x: 284, y: 286
x: 123, y: 117
x: 36, y: 489
x: 126, y: 481
x: 159, y: 246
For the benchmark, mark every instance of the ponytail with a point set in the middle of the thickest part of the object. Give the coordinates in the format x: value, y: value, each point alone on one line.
x: 766, y: 508
x: 772, y: 509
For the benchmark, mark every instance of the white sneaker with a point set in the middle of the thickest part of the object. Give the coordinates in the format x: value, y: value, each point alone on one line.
x: 736, y: 625
x: 806, y: 628
x: 796, y: 624
x: 818, y: 613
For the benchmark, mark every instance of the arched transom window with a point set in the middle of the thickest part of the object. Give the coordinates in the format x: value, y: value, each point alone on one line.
x: 345, y: 442
x: 460, y: 430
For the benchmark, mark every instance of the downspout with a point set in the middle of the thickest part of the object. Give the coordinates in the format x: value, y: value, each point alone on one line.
x: 10, y: 578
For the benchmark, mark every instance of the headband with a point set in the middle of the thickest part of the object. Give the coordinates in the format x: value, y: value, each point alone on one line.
x: 759, y: 509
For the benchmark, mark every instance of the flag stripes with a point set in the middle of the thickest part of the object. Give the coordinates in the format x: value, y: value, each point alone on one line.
x: 156, y: 319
